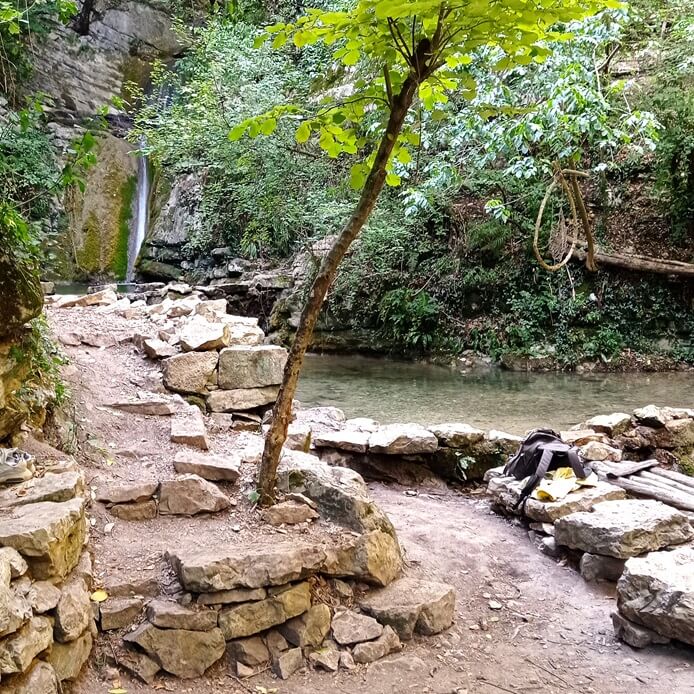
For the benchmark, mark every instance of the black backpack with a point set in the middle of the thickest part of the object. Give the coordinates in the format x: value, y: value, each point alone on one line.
x: 542, y: 450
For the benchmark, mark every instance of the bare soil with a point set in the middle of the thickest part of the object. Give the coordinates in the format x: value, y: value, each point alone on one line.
x: 553, y: 633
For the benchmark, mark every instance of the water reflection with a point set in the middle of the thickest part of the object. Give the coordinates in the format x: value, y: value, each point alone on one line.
x: 404, y: 392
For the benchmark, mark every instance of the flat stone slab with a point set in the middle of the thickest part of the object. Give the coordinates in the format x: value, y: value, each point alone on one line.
x: 189, y: 494
x: 201, y: 335
x: 241, y: 399
x: 51, y: 487
x: 351, y: 627
x: 505, y: 492
x: 251, y: 366
x: 657, y: 591
x: 345, y: 440
x: 409, y: 605
x: 210, y: 467
x: 457, y: 435
x: 127, y: 492
x: 149, y: 404
x: 167, y: 614
x: 49, y: 535
x: 403, y: 439
x: 233, y: 567
x: 610, y: 424
x: 624, y: 528
x: 188, y: 427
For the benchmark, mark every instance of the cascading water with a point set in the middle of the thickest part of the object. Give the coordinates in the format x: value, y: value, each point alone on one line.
x: 141, y: 212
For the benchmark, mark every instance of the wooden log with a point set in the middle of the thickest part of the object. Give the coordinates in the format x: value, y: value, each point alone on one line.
x: 686, y: 480
x: 628, y: 468
x: 640, y: 263
x: 673, y: 498
x: 665, y: 482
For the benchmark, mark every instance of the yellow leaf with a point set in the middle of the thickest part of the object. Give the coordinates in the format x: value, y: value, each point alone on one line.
x: 119, y: 690
x: 99, y: 596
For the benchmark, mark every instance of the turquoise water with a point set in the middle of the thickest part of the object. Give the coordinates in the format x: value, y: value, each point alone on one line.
x: 392, y: 391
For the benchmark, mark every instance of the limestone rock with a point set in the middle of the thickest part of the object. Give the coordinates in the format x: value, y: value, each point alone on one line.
x: 657, y: 591
x: 681, y: 433
x: 127, y: 492
x: 298, y: 437
x: 147, y: 404
x: 243, y: 333
x: 289, y: 513
x: 288, y: 663
x: 610, y: 424
x: 233, y: 567
x: 251, y: 651
x: 652, y: 416
x: 636, y: 635
x: 14, y: 561
x: 183, y: 653
x: 116, y: 587
x: 309, y: 629
x: 340, y: 494
x: 387, y: 643
x: 139, y: 511
x: 51, y: 487
x: 102, y: 298
x: 117, y: 613
x: 190, y: 494
x: 14, y: 611
x: 347, y: 661
x: 171, y: 615
x: 251, y: 618
x: 327, y: 659
x: 372, y: 557
x: 457, y: 435
x: 505, y: 492
x: 624, y: 529
x: 230, y: 597
x: 49, y: 535
x: 68, y: 659
x: 595, y: 566
x: 137, y: 663
x: 74, y: 611
x: 190, y: 372
x: 595, y: 450
x: 241, y: 399
x: 402, y: 439
x: 321, y: 419
x: 344, y: 440
x: 407, y: 670
x: 18, y: 650
x: 43, y: 596
x: 580, y: 437
x: 210, y: 467
x: 409, y: 605
x: 251, y: 366
x: 40, y: 679
x: 351, y: 627
x: 188, y: 427
x: 158, y: 349
x: 200, y: 335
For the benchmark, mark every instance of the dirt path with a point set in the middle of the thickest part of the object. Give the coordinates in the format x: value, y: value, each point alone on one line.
x: 552, y: 634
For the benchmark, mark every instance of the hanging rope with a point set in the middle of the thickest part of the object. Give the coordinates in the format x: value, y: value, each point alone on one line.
x: 572, y: 192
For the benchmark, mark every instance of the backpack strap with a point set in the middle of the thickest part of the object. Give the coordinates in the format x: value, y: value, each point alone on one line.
x: 542, y: 468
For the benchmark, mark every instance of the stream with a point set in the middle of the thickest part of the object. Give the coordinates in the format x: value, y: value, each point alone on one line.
x: 392, y: 391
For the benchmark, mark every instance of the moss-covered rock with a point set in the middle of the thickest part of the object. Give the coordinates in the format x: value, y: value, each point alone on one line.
x: 20, y: 289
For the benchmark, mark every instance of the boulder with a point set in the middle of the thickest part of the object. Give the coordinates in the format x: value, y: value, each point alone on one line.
x: 200, y: 335
x: 339, y: 493
x: 387, y: 643
x: 19, y: 650
x: 681, y: 433
x: 190, y: 494
x: 505, y: 492
x: 127, y: 492
x: 344, y: 440
x: 252, y: 618
x: 657, y: 591
x: 457, y: 435
x: 51, y: 487
x: 595, y: 450
x: 251, y: 652
x: 285, y: 665
x: 298, y: 437
x: 351, y: 627
x: 138, y: 511
x: 321, y: 419
x: 188, y: 427
x: 251, y: 366
x: 402, y: 439
x: 610, y: 424
x: 241, y: 399
x: 117, y: 613
x: 43, y: 596
x: 242, y: 333
x: 189, y: 372
x: 40, y: 679
x: 73, y: 612
x: 288, y: 513
x: 68, y: 659
x: 183, y: 653
x: 596, y: 567
x: 158, y: 349
x: 229, y: 597
x: 225, y: 468
x: 636, y: 635
x: 624, y: 528
x: 49, y: 535
x: 652, y: 416
x: 171, y: 615
x: 373, y: 557
x: 309, y: 629
x: 411, y: 605
x: 232, y: 567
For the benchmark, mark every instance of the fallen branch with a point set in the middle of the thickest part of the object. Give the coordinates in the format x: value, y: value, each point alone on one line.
x: 639, y: 263
x: 676, y: 499
x: 676, y: 476
x: 625, y: 469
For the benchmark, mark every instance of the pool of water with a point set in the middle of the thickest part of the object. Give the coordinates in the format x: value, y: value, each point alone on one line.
x: 392, y: 391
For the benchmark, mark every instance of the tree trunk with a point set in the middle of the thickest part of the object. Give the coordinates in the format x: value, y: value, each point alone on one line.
x: 281, y: 412
x: 639, y: 263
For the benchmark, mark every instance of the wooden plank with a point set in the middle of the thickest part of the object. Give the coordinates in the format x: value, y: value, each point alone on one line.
x: 628, y: 468
x: 680, y: 501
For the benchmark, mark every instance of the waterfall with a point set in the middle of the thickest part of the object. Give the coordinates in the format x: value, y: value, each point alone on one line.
x: 141, y: 211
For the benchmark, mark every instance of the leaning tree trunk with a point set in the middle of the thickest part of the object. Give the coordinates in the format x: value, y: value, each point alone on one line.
x: 281, y: 412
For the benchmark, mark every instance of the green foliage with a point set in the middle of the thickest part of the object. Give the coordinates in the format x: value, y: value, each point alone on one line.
x: 409, y: 318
